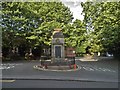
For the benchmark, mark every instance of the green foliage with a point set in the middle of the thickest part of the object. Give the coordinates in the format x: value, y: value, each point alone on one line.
x: 103, y: 23
x: 32, y: 22
x: 74, y: 34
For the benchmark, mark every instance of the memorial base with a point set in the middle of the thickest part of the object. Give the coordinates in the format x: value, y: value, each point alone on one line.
x: 57, y: 68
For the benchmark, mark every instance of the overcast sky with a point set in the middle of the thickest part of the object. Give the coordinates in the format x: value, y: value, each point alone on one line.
x: 75, y: 8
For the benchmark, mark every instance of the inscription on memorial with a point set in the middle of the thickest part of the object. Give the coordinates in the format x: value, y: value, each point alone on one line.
x: 58, y: 51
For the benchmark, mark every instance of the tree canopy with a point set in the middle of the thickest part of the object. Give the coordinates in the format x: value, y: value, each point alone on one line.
x: 103, y: 20
x: 31, y: 24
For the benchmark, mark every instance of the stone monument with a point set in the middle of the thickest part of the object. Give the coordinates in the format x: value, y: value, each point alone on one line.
x: 57, y: 46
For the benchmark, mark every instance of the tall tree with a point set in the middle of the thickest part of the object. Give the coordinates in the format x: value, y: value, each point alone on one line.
x: 103, y: 21
x: 32, y: 23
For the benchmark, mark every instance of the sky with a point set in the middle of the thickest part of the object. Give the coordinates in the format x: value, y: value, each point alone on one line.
x: 75, y: 8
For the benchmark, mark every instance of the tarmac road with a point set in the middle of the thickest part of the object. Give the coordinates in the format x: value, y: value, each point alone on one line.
x: 102, y: 73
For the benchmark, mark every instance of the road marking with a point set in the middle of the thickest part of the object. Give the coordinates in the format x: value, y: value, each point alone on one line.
x: 9, y: 66
x: 87, y: 68
x: 9, y: 81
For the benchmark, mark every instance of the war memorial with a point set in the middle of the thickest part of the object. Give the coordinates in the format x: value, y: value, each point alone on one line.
x: 61, y: 59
